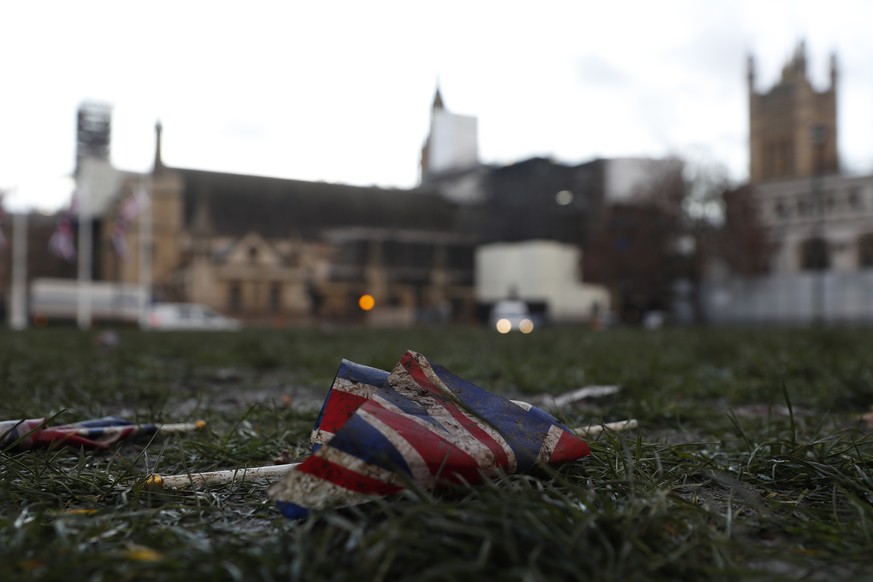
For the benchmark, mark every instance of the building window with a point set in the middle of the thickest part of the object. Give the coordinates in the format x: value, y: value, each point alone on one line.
x: 253, y: 254
x: 778, y: 159
x: 234, y: 298
x: 865, y: 251
x: 815, y: 254
x: 408, y: 255
x: 854, y: 199
x: 802, y: 207
x: 781, y: 209
x: 275, y: 297
x: 460, y: 257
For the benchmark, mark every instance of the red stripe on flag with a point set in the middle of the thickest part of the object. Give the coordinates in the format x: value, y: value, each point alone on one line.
x: 414, y: 368
x: 339, y: 408
x: 442, y: 458
x: 569, y: 448
x: 345, y: 477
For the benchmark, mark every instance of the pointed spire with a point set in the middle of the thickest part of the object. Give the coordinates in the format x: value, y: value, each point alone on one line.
x: 750, y: 71
x: 438, y: 99
x: 158, y: 163
x: 795, y: 68
x: 800, y: 57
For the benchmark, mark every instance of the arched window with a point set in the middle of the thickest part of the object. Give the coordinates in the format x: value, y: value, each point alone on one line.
x: 815, y: 254
x: 865, y: 251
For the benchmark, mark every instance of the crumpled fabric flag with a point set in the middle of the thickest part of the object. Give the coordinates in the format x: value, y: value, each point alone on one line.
x: 98, y: 433
x: 421, y: 423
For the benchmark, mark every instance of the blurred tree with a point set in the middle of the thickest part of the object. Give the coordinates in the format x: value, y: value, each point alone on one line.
x: 653, y: 250
x: 637, y: 249
x: 743, y: 244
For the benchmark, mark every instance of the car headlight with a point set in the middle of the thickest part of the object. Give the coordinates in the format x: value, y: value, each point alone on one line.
x: 525, y: 326
x: 503, y: 325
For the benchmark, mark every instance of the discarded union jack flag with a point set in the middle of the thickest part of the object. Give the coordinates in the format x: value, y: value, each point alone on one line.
x: 98, y: 433
x: 420, y: 423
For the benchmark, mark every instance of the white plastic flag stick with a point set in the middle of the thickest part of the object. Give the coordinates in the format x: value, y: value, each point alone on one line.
x: 218, y: 477
x: 18, y: 303
x: 144, y: 196
x: 83, y: 314
x: 582, y: 394
x: 596, y: 429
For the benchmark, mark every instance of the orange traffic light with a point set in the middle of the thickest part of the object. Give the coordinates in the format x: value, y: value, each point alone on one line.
x: 366, y: 302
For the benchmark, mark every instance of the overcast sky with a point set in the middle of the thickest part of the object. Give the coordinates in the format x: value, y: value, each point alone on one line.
x: 341, y: 91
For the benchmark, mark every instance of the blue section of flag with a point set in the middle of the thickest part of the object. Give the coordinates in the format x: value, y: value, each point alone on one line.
x: 523, y: 431
x: 292, y: 510
x: 364, y: 441
x: 362, y: 374
x: 102, y: 422
x: 353, y: 372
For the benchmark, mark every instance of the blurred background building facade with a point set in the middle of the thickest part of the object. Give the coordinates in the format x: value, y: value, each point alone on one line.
x: 817, y: 222
x: 573, y: 241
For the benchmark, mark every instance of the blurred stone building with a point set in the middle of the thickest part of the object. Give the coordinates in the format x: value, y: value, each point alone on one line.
x: 561, y: 210
x: 816, y: 219
x: 272, y: 250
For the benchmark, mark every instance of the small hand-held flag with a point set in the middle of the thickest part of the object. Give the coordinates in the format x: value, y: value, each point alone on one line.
x: 129, y: 209
x: 99, y: 433
x: 63, y: 240
x: 420, y: 423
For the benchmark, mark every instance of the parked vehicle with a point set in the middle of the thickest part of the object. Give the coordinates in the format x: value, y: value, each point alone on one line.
x: 53, y: 300
x: 188, y: 316
x: 511, y: 315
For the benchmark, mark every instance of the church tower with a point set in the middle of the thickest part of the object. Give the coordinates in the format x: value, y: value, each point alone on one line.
x: 452, y: 143
x: 425, y: 165
x: 793, y: 127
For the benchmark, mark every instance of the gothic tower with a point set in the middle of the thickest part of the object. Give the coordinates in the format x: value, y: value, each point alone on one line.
x: 793, y: 127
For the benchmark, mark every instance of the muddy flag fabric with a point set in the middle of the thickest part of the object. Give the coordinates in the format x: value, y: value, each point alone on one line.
x: 98, y: 433
x: 378, y: 431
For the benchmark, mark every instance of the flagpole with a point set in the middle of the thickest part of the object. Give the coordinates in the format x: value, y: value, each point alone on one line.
x: 85, y: 244
x: 156, y: 481
x: 145, y: 252
x: 18, y: 303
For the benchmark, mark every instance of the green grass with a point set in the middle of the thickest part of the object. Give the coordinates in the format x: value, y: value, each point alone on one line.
x: 751, y: 461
